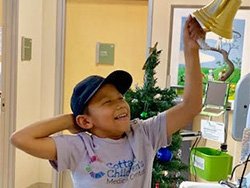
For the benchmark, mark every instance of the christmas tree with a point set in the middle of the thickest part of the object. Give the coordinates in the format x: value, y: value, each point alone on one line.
x: 148, y: 101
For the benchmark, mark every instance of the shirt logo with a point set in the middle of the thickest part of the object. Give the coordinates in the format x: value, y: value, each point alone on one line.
x: 119, y: 172
x: 89, y: 168
x: 124, y: 170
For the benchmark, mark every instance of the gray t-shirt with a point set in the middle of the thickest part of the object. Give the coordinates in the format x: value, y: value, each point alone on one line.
x: 101, y: 162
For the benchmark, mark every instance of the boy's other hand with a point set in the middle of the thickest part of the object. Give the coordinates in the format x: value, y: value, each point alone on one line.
x: 73, y: 127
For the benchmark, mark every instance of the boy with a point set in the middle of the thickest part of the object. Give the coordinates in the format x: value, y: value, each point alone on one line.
x: 109, y: 150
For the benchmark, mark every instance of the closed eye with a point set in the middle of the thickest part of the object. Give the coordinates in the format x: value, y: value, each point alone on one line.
x: 107, y: 101
x: 121, y: 98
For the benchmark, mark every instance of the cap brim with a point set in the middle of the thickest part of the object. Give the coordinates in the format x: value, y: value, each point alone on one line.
x: 122, y: 80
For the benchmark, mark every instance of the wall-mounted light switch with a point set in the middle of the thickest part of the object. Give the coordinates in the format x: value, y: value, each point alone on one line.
x: 26, y: 49
x: 105, y: 53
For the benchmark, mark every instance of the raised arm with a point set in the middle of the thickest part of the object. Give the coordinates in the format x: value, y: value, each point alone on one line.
x: 35, y: 139
x: 182, y: 114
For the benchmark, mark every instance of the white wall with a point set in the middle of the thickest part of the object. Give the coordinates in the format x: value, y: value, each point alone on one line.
x: 35, y: 85
x: 28, y: 86
x: 48, y: 73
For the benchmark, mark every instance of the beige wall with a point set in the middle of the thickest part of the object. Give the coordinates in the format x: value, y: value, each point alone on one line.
x: 121, y: 22
x: 35, y: 82
x: 1, y: 13
x: 48, y: 60
x: 28, y: 86
x: 1, y: 25
x: 161, y: 24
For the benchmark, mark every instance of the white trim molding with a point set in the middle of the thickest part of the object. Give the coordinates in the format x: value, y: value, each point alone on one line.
x: 150, y: 26
x: 9, y: 81
x: 59, y: 74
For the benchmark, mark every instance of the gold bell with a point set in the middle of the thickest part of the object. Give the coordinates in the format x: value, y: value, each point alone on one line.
x: 218, y: 16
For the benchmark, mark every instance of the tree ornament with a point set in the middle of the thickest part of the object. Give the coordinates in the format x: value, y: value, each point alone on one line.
x: 144, y: 114
x: 164, y: 154
x: 165, y: 172
x: 178, y: 174
x: 157, y: 96
x: 134, y: 101
x: 179, y: 153
x: 157, y: 185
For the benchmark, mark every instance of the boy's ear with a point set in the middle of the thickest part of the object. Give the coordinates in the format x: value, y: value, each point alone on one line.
x: 84, y: 121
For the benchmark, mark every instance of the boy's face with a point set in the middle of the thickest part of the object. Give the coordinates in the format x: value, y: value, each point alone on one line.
x: 109, y: 113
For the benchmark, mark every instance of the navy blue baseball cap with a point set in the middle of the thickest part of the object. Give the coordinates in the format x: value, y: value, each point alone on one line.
x: 88, y: 87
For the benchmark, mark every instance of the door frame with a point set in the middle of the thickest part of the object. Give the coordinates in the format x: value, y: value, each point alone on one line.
x: 9, y: 82
x: 59, y: 74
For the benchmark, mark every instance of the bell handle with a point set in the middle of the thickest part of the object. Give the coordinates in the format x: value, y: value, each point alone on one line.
x: 201, y: 41
x: 203, y: 45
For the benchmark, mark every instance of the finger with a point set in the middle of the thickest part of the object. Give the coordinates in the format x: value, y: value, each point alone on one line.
x: 189, y: 18
x: 193, y: 22
x: 194, y: 25
x: 196, y: 30
x: 196, y: 36
x: 192, y: 35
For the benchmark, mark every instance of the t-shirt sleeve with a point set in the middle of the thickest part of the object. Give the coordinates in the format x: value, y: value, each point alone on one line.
x: 70, y: 149
x: 156, y: 131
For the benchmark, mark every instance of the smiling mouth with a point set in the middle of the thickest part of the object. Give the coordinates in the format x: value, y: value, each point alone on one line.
x: 120, y: 116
